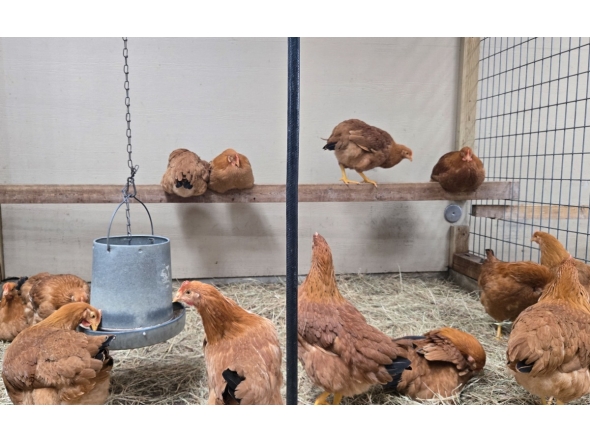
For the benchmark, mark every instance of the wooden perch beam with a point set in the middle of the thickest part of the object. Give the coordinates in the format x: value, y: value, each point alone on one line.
x: 93, y: 194
x: 519, y: 213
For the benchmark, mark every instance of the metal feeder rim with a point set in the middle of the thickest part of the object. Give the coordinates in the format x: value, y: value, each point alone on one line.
x: 138, y: 334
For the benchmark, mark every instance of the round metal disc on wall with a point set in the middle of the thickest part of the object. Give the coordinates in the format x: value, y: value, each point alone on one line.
x: 453, y: 213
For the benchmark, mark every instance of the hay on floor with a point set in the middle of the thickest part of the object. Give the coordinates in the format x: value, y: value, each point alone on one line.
x: 174, y: 372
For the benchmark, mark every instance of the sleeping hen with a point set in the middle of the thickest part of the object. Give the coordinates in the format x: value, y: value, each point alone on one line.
x: 339, y: 351
x: 186, y: 175
x: 549, y: 346
x: 52, y: 363
x: 507, y: 288
x: 12, y: 312
x: 459, y: 171
x: 438, y: 364
x: 230, y: 171
x: 362, y: 147
x: 49, y: 292
x: 242, y: 351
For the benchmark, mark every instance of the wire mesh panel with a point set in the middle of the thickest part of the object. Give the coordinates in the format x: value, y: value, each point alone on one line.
x: 531, y: 127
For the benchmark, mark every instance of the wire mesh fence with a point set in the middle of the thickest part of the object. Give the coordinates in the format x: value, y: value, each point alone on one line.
x: 531, y: 125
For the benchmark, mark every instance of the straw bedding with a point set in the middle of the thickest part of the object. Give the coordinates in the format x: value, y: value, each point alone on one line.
x: 174, y: 372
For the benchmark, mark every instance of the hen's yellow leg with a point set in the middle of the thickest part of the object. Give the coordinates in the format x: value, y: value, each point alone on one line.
x: 337, y: 398
x: 367, y: 180
x: 499, y: 332
x: 558, y: 402
x: 543, y: 401
x: 322, y: 399
x: 344, y: 178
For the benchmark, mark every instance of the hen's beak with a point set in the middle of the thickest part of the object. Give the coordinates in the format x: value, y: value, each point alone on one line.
x: 176, y: 298
x: 94, y: 324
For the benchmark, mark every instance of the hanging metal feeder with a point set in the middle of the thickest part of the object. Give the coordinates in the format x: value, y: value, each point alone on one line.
x: 131, y: 276
x: 132, y: 285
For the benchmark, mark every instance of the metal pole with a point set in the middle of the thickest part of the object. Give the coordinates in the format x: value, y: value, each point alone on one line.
x: 292, y: 199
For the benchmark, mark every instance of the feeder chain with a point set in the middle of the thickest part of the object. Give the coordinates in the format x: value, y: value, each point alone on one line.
x: 129, y: 191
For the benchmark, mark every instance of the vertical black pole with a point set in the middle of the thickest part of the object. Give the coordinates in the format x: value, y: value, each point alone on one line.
x: 292, y: 199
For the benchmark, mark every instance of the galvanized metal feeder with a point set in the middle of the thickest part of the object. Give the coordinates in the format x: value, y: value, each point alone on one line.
x: 131, y: 276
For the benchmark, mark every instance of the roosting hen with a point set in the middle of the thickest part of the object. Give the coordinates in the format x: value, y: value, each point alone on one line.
x: 50, y: 292
x: 52, y: 363
x: 186, y: 175
x: 13, y: 319
x: 438, y: 364
x: 459, y: 171
x: 549, y: 346
x: 553, y: 253
x: 507, y: 288
x: 242, y: 351
x: 230, y: 171
x: 362, y: 147
x: 339, y: 351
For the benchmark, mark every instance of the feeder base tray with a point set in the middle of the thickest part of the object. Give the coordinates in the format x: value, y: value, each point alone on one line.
x: 143, y: 337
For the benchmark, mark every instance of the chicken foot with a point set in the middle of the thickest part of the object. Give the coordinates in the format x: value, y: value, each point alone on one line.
x: 366, y: 179
x: 345, y: 179
x: 323, y: 399
x: 499, y: 332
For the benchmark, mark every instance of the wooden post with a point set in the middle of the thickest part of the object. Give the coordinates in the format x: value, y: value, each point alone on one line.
x: 459, y: 242
x: 2, y: 270
x: 468, y: 78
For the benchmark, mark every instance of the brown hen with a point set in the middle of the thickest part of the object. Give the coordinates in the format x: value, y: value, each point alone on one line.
x: 438, y: 364
x: 459, y: 171
x: 553, y: 253
x: 339, y: 351
x: 50, y: 292
x: 186, y: 175
x: 549, y: 346
x: 230, y: 171
x: 52, y: 363
x: 242, y: 351
x: 507, y: 288
x: 12, y: 312
x: 362, y: 147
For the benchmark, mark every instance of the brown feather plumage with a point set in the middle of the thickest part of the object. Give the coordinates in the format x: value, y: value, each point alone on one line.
x: 441, y: 363
x: 459, y: 171
x: 238, y: 340
x: 507, y: 288
x: 50, y: 292
x: 362, y: 147
x: 51, y: 363
x: 553, y: 253
x: 186, y: 175
x: 552, y: 339
x: 230, y: 171
x: 338, y: 349
x: 13, y: 319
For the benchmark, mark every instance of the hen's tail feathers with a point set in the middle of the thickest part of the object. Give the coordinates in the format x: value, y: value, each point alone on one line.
x: 184, y: 183
x: 21, y: 281
x: 330, y: 146
x: 395, y: 369
x: 233, y: 380
x: 103, y: 352
x: 523, y: 367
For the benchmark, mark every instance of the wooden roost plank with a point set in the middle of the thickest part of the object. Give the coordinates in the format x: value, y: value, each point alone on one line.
x: 93, y: 194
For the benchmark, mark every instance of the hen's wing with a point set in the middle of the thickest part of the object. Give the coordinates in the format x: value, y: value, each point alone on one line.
x: 247, y: 369
x: 443, y: 165
x: 341, y: 330
x: 62, y: 364
x: 549, y: 337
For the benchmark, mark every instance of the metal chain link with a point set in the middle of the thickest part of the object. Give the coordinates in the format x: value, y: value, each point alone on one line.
x: 129, y: 191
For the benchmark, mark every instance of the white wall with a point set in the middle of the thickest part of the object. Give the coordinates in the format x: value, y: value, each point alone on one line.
x: 62, y: 122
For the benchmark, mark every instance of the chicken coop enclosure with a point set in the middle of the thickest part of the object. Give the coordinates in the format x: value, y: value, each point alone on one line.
x: 531, y: 125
